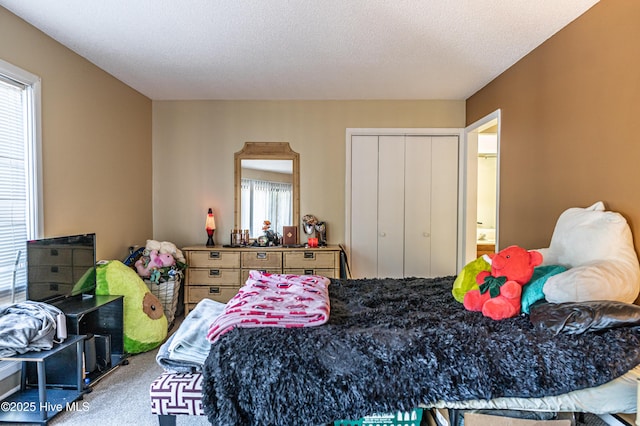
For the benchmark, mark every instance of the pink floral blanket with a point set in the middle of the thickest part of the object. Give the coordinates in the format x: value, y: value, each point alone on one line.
x: 275, y: 300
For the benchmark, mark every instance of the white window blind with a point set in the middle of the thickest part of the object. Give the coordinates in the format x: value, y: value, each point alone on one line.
x: 267, y: 201
x: 19, y: 171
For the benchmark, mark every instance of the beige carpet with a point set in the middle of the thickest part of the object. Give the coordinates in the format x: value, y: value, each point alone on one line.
x: 122, y: 398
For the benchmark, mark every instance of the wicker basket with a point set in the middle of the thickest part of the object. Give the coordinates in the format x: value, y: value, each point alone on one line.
x: 167, y: 292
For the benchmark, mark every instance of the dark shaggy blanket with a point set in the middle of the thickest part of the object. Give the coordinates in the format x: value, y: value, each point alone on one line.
x: 392, y: 345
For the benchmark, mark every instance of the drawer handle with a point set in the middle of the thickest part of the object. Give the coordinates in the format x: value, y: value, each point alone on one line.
x: 214, y: 255
x: 309, y: 255
x: 261, y: 255
x: 214, y: 290
x: 214, y: 272
x: 308, y: 272
x: 54, y: 269
x: 53, y: 252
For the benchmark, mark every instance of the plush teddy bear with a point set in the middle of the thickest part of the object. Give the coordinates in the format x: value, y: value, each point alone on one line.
x: 500, y: 290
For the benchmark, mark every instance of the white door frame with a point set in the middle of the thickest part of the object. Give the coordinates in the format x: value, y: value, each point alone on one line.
x: 459, y: 132
x: 470, y: 188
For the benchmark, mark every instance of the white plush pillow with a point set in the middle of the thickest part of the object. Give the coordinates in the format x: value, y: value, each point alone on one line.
x: 597, y: 247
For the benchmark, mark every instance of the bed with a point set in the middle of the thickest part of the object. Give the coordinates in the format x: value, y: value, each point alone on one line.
x: 396, y: 344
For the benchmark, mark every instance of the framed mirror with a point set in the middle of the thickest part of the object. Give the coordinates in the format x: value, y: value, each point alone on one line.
x: 267, y: 187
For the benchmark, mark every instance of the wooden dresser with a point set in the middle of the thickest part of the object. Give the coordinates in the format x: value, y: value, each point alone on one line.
x: 218, y: 272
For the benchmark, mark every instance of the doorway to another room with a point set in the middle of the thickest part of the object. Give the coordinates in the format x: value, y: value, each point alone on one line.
x: 482, y: 187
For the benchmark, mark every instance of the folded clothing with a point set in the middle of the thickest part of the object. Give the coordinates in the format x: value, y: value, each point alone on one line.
x: 177, y: 366
x: 275, y: 300
x: 187, y: 348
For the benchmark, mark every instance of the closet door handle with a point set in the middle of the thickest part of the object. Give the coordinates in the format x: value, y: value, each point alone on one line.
x: 383, y: 234
x: 426, y: 234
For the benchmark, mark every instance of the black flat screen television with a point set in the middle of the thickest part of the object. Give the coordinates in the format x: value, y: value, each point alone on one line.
x: 61, y: 267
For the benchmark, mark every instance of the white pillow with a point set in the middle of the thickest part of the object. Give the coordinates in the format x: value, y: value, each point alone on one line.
x: 597, y: 246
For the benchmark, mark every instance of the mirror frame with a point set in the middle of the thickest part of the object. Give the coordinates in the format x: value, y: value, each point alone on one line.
x: 267, y: 151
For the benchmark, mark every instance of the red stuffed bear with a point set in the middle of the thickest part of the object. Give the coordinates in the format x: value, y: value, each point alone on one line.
x: 500, y: 290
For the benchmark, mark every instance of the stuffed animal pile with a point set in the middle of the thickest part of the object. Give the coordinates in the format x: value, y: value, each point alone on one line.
x: 591, y: 257
x: 159, y: 261
x: 500, y: 289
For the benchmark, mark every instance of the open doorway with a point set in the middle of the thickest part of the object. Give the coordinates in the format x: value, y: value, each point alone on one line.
x: 482, y: 142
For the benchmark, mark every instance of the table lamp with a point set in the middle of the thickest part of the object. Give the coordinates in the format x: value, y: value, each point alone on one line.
x: 210, y: 226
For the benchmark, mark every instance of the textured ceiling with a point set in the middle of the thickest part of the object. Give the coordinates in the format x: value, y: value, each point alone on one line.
x: 301, y: 49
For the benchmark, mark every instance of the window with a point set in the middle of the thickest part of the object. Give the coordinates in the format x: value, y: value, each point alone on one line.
x: 267, y: 201
x: 19, y: 176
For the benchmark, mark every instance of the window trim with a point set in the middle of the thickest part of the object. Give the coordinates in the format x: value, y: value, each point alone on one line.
x: 35, y: 222
x: 32, y: 94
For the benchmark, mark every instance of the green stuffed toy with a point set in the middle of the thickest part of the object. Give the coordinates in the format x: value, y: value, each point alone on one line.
x: 145, y: 325
x: 466, y: 279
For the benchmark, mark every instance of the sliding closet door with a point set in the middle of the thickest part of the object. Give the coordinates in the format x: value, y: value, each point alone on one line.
x: 403, y: 206
x: 417, y: 214
x: 431, y: 205
x: 444, y: 218
x: 364, y: 207
x: 391, y: 206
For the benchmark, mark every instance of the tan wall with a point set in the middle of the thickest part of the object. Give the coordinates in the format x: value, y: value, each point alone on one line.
x: 194, y: 143
x: 96, y: 143
x: 569, y: 124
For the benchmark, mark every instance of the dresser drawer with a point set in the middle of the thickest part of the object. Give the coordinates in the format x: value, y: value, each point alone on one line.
x: 51, y: 274
x: 215, y: 276
x: 219, y: 293
x: 324, y: 272
x: 48, y: 289
x: 309, y: 259
x: 261, y: 259
x: 214, y: 259
x: 82, y: 257
x: 50, y: 256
